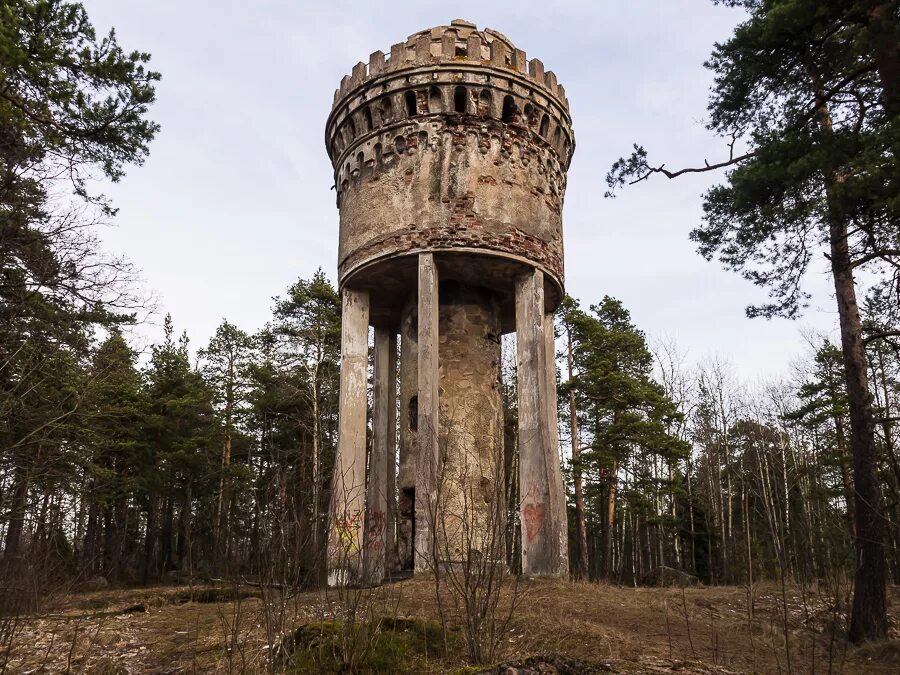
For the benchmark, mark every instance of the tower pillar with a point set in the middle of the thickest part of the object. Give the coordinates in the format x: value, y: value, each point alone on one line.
x: 427, y: 422
x: 544, y: 533
x: 380, y: 499
x: 345, y: 531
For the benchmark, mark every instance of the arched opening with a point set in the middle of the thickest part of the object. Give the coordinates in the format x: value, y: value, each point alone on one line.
x: 545, y: 126
x: 528, y: 112
x: 351, y: 127
x: 484, y: 103
x: 459, y: 99
x: 377, y: 149
x: 367, y: 118
x: 510, y: 111
x: 385, y: 108
x: 434, y: 101
x: 557, y: 137
x: 360, y: 161
x: 400, y: 144
x: 410, y: 100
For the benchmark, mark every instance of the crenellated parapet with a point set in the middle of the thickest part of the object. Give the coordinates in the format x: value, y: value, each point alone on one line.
x: 474, y: 77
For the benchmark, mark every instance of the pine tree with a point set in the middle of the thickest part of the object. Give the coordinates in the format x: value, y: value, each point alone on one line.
x: 806, y: 93
x: 625, y: 412
x: 115, y: 429
x: 178, y: 467
x: 225, y: 363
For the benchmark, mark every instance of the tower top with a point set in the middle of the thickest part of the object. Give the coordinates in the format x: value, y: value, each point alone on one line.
x: 458, y: 44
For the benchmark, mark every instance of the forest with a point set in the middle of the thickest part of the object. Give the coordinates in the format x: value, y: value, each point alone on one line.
x: 198, y: 464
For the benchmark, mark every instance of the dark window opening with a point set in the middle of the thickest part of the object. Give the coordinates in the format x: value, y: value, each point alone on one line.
x: 410, y: 99
x: 413, y: 413
x: 407, y: 528
x: 459, y: 99
x: 529, y: 114
x: 545, y: 126
x: 385, y: 110
x: 367, y: 118
x: 510, y: 112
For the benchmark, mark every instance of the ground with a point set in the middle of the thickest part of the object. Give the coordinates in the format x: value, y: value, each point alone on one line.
x: 579, y: 627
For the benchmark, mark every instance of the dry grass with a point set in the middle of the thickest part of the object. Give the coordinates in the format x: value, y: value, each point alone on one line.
x: 651, y: 630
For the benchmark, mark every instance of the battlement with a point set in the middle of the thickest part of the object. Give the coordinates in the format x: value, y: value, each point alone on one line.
x: 459, y: 43
x: 453, y: 75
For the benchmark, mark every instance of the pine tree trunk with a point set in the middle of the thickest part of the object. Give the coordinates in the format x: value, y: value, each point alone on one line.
x: 868, y: 619
x: 17, y: 512
x: 150, y: 536
x: 91, y: 538
x: 184, y: 533
x: 883, y: 24
x: 610, y: 522
x: 845, y: 473
x: 577, y: 476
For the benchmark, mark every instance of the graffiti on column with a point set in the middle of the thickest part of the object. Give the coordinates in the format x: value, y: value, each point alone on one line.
x: 375, y: 532
x: 346, y: 528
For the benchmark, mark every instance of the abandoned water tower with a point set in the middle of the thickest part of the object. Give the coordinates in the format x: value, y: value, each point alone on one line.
x: 450, y: 159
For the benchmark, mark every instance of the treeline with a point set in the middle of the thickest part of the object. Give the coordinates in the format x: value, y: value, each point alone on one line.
x: 686, y: 467
x: 219, y: 467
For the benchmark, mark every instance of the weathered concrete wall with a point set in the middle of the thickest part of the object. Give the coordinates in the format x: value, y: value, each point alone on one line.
x: 469, y: 467
x: 472, y: 513
x: 443, y: 191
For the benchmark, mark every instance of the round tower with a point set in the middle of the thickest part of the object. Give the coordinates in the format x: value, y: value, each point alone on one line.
x: 450, y: 161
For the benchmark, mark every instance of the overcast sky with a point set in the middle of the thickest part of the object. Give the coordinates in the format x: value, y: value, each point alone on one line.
x: 234, y: 202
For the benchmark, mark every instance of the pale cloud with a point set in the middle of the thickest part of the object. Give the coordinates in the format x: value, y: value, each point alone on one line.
x: 235, y: 204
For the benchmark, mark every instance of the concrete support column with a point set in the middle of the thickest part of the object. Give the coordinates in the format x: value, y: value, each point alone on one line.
x: 554, y: 461
x: 544, y: 550
x: 349, y: 483
x: 380, y: 501
x: 427, y: 422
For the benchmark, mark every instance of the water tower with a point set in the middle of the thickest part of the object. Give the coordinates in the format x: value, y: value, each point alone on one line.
x: 450, y: 159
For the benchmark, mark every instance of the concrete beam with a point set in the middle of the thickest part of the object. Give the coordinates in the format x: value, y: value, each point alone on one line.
x: 427, y: 422
x: 380, y: 501
x: 349, y: 482
x: 543, y: 532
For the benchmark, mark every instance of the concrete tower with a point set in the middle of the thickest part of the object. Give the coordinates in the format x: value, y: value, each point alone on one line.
x: 450, y: 161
